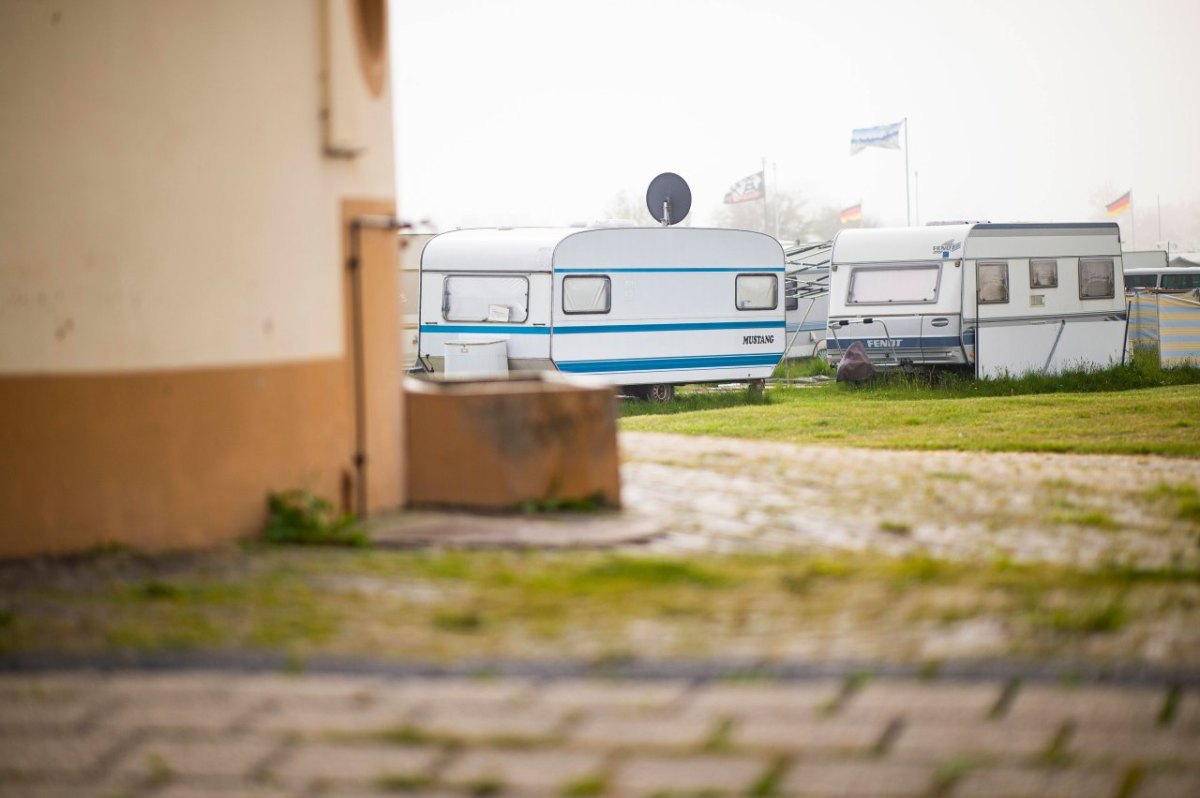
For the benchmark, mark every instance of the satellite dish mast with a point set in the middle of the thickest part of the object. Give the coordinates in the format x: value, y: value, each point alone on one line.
x: 669, y: 198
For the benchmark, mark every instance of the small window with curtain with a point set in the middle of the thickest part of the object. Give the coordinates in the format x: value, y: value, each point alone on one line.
x: 1043, y: 273
x: 587, y: 294
x: 791, y: 287
x: 756, y: 292
x: 1096, y: 278
x: 993, y: 282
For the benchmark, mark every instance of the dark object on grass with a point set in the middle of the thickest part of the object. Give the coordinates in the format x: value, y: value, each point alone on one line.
x: 855, y: 366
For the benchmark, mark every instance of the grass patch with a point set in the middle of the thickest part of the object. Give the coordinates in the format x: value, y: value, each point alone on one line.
x: 803, y: 367
x: 401, y: 782
x: 1096, y: 519
x: 1101, y: 617
x: 639, y: 571
x: 466, y: 622
x: 586, y: 787
x: 690, y: 399
x: 897, y: 528
x: 1186, y: 498
x: 299, y: 517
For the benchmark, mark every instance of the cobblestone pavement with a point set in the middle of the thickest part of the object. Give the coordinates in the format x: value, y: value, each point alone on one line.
x: 713, y: 494
x: 259, y: 735
x: 703, y: 494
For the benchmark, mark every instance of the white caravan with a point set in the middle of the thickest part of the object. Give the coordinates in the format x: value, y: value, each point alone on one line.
x: 643, y: 307
x: 806, y: 297
x: 998, y: 298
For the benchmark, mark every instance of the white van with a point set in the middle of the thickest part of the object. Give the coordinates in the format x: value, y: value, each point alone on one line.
x: 1171, y: 278
x: 648, y: 308
x: 994, y: 298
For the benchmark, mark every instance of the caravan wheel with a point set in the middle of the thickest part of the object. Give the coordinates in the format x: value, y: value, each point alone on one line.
x: 660, y: 392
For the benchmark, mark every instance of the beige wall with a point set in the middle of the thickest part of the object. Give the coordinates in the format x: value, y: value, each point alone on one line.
x: 164, y: 200
x: 176, y: 180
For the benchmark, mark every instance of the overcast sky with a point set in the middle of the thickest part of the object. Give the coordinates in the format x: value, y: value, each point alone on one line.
x: 541, y: 111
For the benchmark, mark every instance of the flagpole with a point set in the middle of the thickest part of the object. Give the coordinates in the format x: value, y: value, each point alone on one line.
x: 775, y: 177
x: 1158, y: 202
x: 907, y: 195
x: 764, y: 174
x: 1132, y: 224
x: 917, y: 196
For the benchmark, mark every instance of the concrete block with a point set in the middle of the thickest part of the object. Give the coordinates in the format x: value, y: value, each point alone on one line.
x: 320, y: 763
x: 1036, y: 783
x: 1124, y: 707
x: 804, y: 735
x: 611, y: 696
x: 496, y: 444
x: 743, y: 700
x: 721, y: 774
x: 229, y: 757
x: 857, y: 779
x: 522, y: 771
x: 628, y: 731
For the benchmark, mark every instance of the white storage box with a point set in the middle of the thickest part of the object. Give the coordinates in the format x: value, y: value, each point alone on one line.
x: 482, y: 358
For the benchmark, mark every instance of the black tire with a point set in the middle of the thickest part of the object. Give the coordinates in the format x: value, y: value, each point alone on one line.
x: 659, y: 392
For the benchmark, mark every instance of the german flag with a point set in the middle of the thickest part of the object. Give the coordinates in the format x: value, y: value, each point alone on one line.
x: 1118, y: 205
x: 851, y: 214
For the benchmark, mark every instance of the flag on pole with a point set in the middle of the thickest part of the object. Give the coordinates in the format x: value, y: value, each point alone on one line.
x: 851, y: 214
x: 887, y: 136
x: 1118, y: 205
x: 748, y: 188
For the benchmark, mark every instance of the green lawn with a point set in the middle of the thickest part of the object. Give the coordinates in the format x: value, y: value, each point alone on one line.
x: 1159, y: 420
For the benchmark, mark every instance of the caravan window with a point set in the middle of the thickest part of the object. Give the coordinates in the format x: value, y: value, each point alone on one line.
x: 1096, y: 278
x: 756, y: 292
x: 587, y: 295
x: 1043, y: 273
x: 1180, y: 280
x: 491, y: 298
x: 993, y: 282
x: 791, y: 287
x: 906, y: 285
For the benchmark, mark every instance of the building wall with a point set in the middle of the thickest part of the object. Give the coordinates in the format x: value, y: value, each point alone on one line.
x: 176, y: 181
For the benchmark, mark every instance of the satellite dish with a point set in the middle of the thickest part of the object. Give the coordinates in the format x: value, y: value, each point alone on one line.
x: 669, y: 198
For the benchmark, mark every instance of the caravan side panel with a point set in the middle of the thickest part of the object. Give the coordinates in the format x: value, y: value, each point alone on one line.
x: 666, y: 305
x: 1045, y: 297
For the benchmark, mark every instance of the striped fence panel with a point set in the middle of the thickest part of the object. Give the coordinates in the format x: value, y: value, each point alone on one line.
x: 1178, y: 330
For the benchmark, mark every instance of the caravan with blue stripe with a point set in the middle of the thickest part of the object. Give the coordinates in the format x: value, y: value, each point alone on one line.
x: 646, y: 308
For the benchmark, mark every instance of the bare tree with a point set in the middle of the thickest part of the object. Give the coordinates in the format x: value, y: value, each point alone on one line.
x: 783, y: 216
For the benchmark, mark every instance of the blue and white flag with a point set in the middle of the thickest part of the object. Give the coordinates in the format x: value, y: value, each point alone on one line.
x: 887, y: 136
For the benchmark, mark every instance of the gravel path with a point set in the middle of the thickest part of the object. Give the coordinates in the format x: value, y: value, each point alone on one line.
x: 714, y: 494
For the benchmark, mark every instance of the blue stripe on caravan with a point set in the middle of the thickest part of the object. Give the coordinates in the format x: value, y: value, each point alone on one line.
x: 669, y: 363
x: 498, y: 329
x: 705, y: 325
x: 602, y: 270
